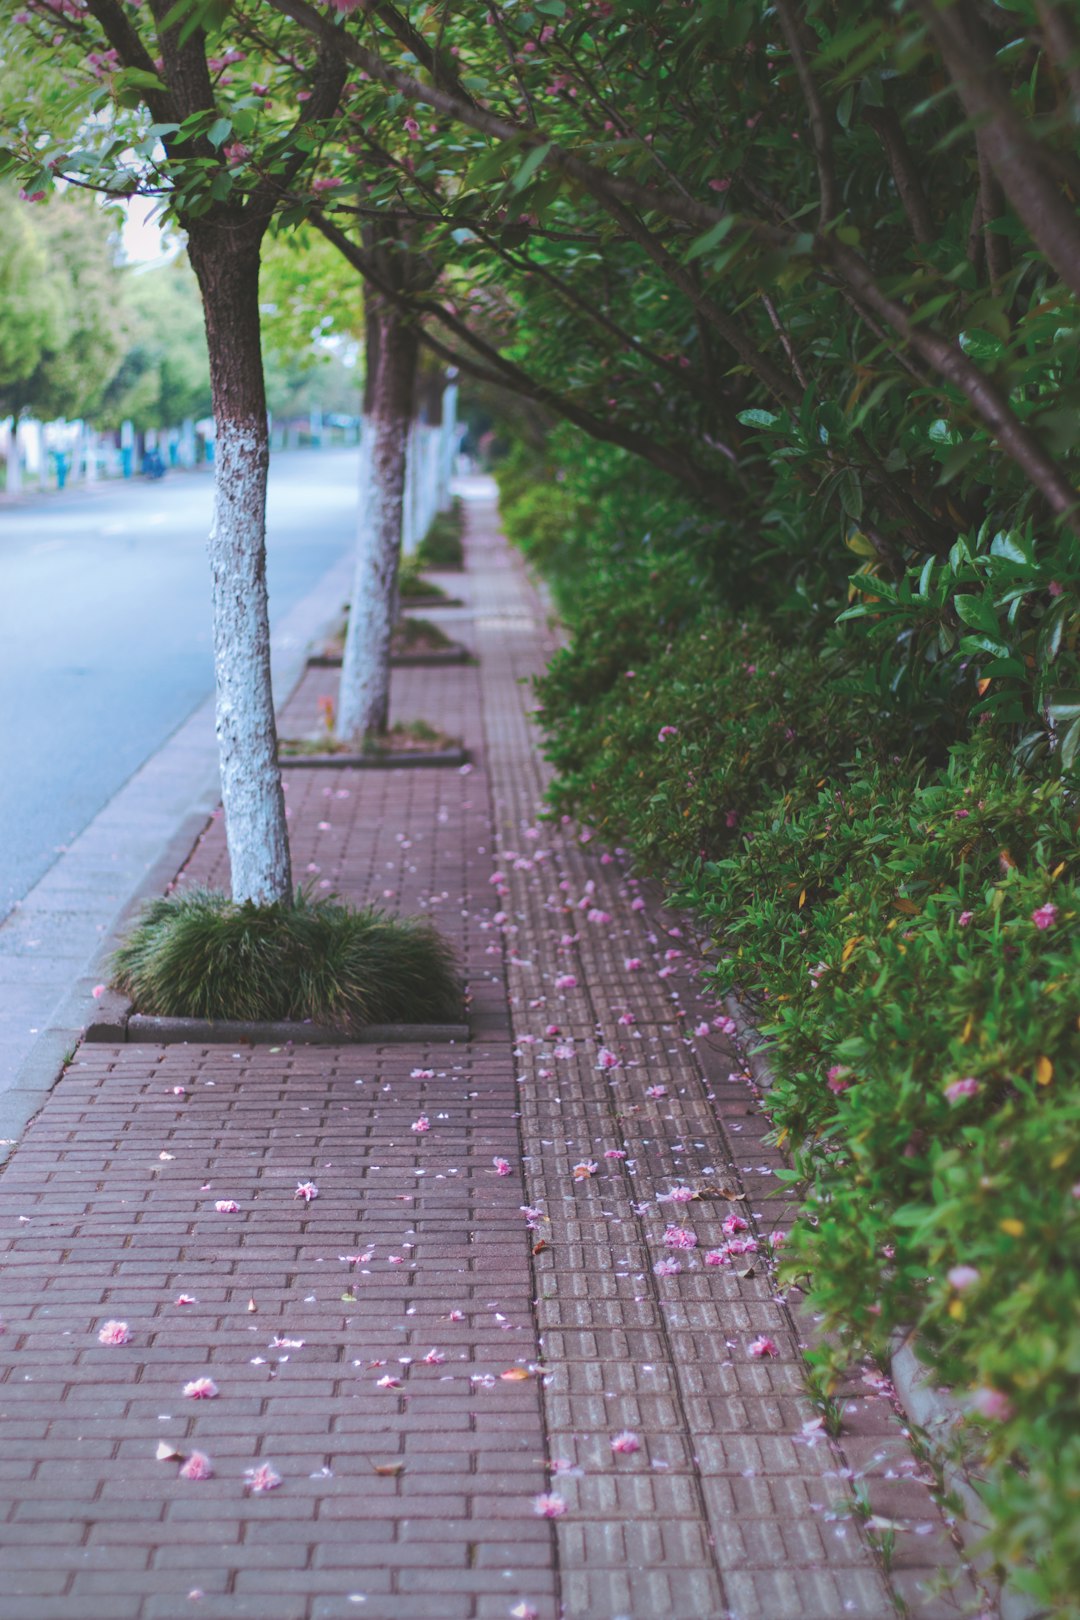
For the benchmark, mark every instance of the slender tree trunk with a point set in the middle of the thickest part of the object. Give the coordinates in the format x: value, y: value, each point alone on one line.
x: 364, y: 697
x: 225, y: 257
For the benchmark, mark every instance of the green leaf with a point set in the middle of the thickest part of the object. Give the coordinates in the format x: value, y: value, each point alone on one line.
x: 757, y: 418
x: 219, y: 132
x: 709, y: 239
x: 530, y: 165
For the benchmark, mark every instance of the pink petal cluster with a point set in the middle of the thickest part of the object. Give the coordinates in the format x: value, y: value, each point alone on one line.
x: 665, y: 732
x: 549, y: 1505
x: 227, y: 1206
x: 838, y: 1078
x: 667, y: 1268
x: 419, y: 1126
x: 197, y: 1466
x: 502, y: 1166
x: 1045, y: 916
x: 306, y: 1190
x: 734, y: 1223
x: 201, y: 1389
x: 626, y: 1443
x: 114, y: 1333
x: 679, y: 1237
x: 262, y: 1478
x: 565, y: 981
x: 656, y: 1091
x: 606, y: 1059
x: 762, y: 1347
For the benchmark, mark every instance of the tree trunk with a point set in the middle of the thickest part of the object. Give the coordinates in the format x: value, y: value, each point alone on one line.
x: 364, y: 696
x: 224, y: 253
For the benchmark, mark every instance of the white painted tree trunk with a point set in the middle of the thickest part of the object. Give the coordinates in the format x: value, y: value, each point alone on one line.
x: 364, y: 693
x: 251, y: 793
x: 225, y: 255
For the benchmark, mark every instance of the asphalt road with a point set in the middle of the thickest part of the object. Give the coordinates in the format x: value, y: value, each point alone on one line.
x: 105, y: 639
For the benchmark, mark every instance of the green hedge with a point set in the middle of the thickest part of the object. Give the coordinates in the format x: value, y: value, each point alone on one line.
x: 900, y: 905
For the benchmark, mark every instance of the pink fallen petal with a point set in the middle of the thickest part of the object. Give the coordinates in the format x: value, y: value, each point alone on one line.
x: 98, y: 991
x: 549, y: 1505
x: 762, y: 1347
x: 626, y: 1443
x: 306, y: 1190
x: 227, y: 1206
x: 262, y: 1478
x: 201, y: 1389
x: 197, y: 1466
x: 502, y: 1166
x: 419, y: 1126
x: 114, y: 1333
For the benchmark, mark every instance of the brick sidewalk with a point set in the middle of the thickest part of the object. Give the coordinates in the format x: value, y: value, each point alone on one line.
x: 372, y: 1328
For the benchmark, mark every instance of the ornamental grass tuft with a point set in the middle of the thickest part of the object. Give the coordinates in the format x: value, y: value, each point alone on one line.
x: 197, y: 954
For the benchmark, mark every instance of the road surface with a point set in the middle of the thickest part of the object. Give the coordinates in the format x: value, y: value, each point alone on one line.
x: 105, y: 638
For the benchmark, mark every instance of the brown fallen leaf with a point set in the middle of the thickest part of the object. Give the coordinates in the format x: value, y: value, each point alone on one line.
x: 538, y: 1248
x: 749, y: 1272
x: 711, y: 1191
x: 167, y: 1453
x: 514, y: 1375
x: 389, y: 1470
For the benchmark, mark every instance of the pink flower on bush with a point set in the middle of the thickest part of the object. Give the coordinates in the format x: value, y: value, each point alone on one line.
x: 993, y: 1404
x: 965, y: 919
x: 411, y: 128
x: 114, y: 1333
x: 838, y: 1078
x: 961, y: 1277
x: 1045, y: 916
x: 665, y: 732
x: 957, y: 1090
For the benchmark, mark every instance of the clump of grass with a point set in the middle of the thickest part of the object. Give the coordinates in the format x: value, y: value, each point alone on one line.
x: 410, y: 737
x: 411, y: 581
x: 197, y: 954
x: 418, y: 635
x: 441, y: 547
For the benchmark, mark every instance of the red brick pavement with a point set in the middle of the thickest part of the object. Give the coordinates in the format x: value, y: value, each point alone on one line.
x: 733, y: 1505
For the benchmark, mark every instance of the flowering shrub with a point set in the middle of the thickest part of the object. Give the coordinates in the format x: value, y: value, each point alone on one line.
x: 898, y: 901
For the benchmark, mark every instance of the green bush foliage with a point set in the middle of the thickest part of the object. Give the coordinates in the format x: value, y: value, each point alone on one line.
x: 197, y: 954
x: 889, y: 875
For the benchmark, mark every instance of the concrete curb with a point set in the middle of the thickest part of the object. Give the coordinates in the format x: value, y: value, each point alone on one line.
x: 427, y: 602
x: 375, y: 762
x: 935, y: 1413
x: 139, y: 1028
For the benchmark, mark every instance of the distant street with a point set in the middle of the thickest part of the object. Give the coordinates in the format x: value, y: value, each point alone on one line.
x: 105, y: 645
